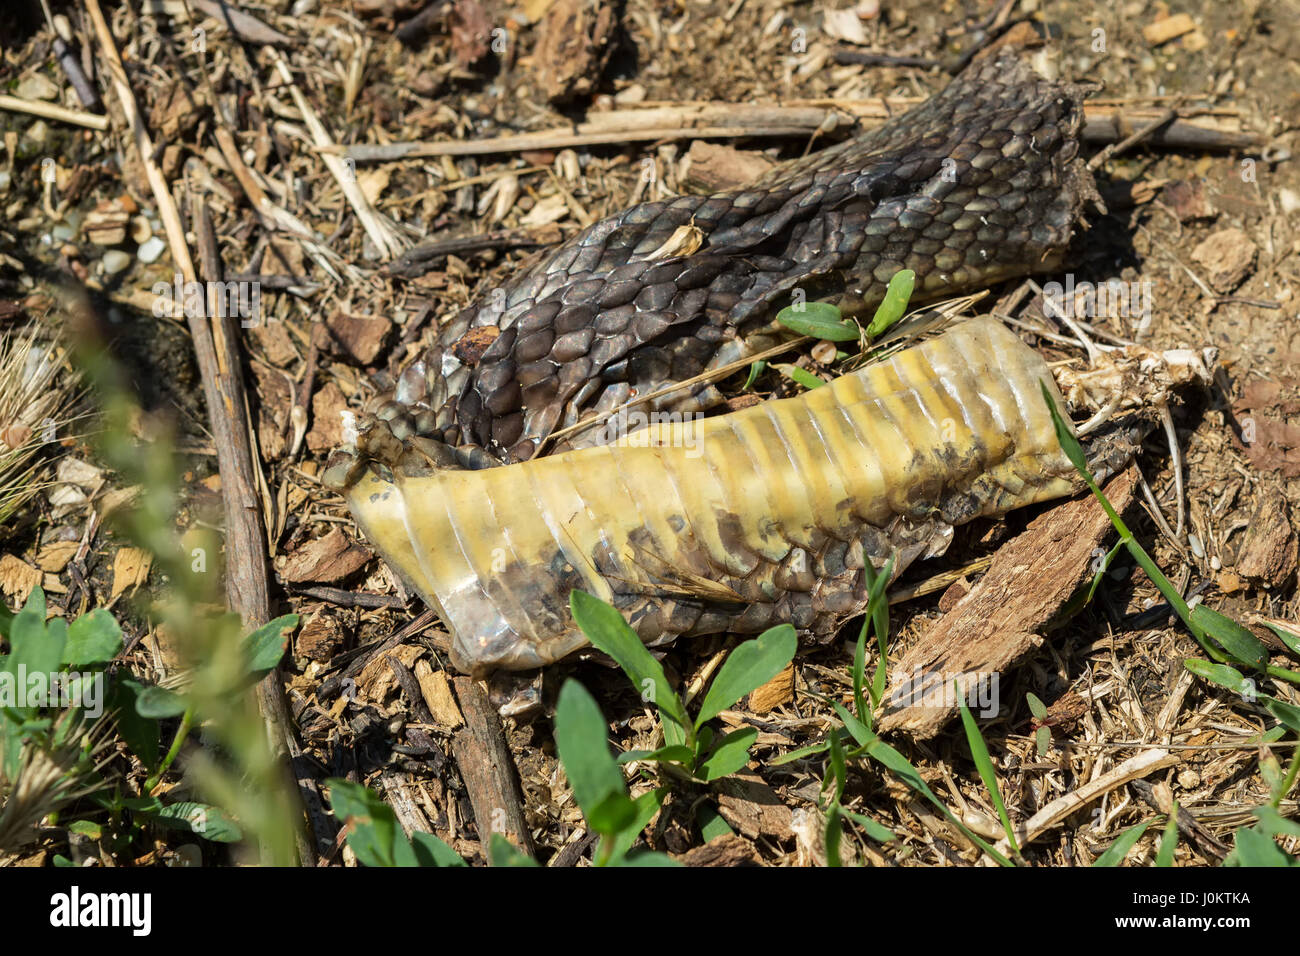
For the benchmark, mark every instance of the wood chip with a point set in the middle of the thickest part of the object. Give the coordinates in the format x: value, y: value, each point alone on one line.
x: 999, y: 622
x: 17, y: 578
x: 1269, y: 551
x: 712, y: 168
x: 130, y: 570
x: 1168, y: 28
x: 574, y: 45
x: 321, y: 637
x: 328, y: 560
x: 54, y: 557
x: 774, y: 693
x: 358, y: 337
x: 726, y: 850
x: 376, y: 679
x: 1227, y: 257
x: 753, y: 808
x: 436, y: 691
x: 326, y: 424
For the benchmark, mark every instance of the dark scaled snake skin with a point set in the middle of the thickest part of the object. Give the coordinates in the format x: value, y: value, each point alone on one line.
x: 980, y: 183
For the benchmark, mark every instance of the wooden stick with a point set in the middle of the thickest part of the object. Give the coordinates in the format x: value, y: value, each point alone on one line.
x: 247, y: 581
x: 488, y: 770
x: 54, y: 112
x: 1104, y: 123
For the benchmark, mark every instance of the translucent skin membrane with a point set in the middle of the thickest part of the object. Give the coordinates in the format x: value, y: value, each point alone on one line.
x: 732, y: 523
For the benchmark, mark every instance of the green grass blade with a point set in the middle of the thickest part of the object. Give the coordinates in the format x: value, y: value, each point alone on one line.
x: 1168, y: 840
x: 605, y: 628
x: 894, y: 305
x: 1116, y: 852
x: 748, y: 667
x: 984, y: 764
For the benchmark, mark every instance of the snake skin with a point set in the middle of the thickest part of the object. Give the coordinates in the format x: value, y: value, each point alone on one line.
x: 980, y: 183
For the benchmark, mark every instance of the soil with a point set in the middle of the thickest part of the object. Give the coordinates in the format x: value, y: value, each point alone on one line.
x: 1107, y: 674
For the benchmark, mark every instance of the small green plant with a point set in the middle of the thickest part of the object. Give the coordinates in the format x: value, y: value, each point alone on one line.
x: 1231, y: 648
x: 374, y: 834
x: 824, y: 321
x: 53, y: 748
x: 690, y: 744
x: 692, y: 752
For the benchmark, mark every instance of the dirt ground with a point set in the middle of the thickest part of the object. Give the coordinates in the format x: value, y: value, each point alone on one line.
x: 1215, y: 232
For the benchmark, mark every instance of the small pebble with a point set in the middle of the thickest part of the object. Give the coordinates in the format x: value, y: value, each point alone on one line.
x: 151, y: 249
x: 115, y: 261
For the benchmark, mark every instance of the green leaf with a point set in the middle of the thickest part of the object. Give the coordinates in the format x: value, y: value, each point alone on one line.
x: 755, y: 370
x: 729, y: 754
x: 875, y: 830
x: 266, y: 645
x: 1168, y: 840
x: 883, y: 753
x: 1065, y: 435
x: 1288, y: 637
x: 1254, y: 847
x: 711, y: 823
x: 1036, y: 706
x: 748, y: 667
x: 86, y: 828
x: 984, y: 764
x: 1043, y: 740
x: 140, y: 733
x: 1221, y: 674
x: 581, y: 740
x: 208, y: 822
x: 430, y: 851
x: 608, y: 632
x: 1287, y: 714
x: 93, y: 638
x: 372, y: 829
x: 614, y: 813
x: 1273, y: 823
x: 821, y: 320
x: 7, y: 618
x: 799, y: 376
x: 159, y: 704
x: 834, y: 835
x: 647, y: 805
x: 894, y: 304
x: 1232, y: 637
x: 1116, y: 852
x: 860, y: 731
x: 35, y: 649
x: 504, y: 853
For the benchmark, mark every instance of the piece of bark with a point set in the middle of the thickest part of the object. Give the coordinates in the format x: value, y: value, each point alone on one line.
x: 321, y: 637
x: 330, y: 559
x: 774, y: 693
x: 1001, y: 620
x: 1227, y: 257
x: 488, y: 770
x: 725, y: 850
x: 753, y: 808
x: 713, y: 168
x: 575, y: 44
x: 1269, y: 551
x: 436, y: 691
x: 358, y: 337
